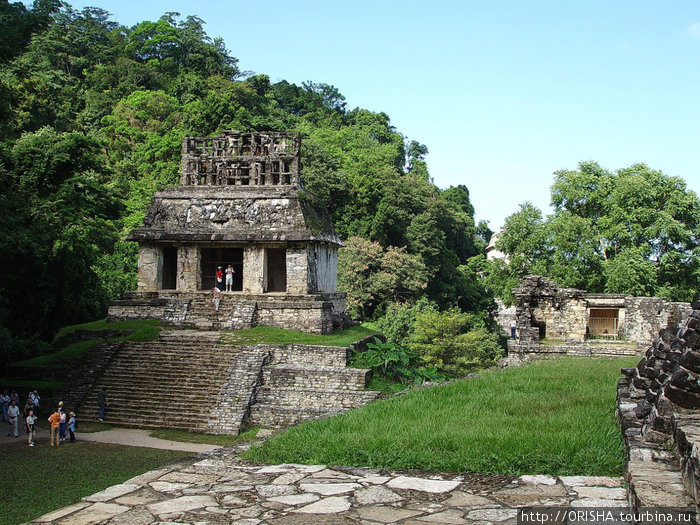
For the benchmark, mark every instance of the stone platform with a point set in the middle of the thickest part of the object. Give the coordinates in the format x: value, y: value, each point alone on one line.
x: 219, y: 488
x: 192, y: 379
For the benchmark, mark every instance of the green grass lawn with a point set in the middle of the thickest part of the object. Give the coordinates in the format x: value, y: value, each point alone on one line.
x: 144, y: 330
x: 41, y: 479
x: 551, y: 417
x: 270, y: 335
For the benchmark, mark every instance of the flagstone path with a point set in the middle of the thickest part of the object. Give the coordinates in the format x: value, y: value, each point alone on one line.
x: 217, y: 487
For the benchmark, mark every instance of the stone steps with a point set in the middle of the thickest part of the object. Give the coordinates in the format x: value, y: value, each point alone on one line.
x: 276, y: 416
x: 324, y: 377
x: 180, y: 382
x: 313, y: 397
x: 305, y: 355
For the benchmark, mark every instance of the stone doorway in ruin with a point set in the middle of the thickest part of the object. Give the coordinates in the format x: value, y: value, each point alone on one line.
x: 212, y: 258
x: 604, y: 323
x: 276, y: 270
x: 169, y: 276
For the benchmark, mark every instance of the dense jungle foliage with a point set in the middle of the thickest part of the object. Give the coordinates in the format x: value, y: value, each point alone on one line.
x: 92, y: 116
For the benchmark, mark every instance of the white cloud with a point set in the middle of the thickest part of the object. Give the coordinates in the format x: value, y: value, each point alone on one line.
x: 693, y: 31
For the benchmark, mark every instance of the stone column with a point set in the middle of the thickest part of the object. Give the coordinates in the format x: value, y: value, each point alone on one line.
x: 297, y: 270
x: 189, y: 275
x: 150, y: 267
x: 254, y: 269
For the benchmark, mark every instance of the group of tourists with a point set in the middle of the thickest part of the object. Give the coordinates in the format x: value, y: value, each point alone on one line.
x: 219, y: 287
x: 59, y: 421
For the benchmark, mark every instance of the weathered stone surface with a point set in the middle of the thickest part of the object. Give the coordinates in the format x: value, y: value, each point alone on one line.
x: 295, y: 499
x: 329, y: 489
x: 452, y: 516
x: 382, y: 514
x: 376, y: 494
x: 330, y: 505
x: 591, y: 481
x: 95, y: 513
x: 424, y: 485
x: 182, y: 504
x: 112, y: 492
x: 60, y: 513
x: 491, y: 515
x: 539, y: 480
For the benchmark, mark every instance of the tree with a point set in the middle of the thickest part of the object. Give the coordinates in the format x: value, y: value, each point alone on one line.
x: 632, y: 231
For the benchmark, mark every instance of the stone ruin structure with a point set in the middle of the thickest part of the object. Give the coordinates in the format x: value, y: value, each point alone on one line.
x: 658, y: 407
x: 543, y: 310
x: 240, y: 201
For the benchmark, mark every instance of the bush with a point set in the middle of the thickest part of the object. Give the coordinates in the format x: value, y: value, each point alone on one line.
x: 395, y: 362
x: 397, y: 324
x: 453, y: 342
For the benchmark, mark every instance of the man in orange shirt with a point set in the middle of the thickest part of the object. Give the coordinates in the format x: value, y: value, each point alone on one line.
x: 55, y: 421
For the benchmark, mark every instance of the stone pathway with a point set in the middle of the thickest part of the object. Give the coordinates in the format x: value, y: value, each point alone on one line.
x: 216, y: 487
x: 141, y: 438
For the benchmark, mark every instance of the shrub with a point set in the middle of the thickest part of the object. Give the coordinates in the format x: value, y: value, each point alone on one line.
x: 453, y: 342
x: 395, y: 362
x: 397, y: 323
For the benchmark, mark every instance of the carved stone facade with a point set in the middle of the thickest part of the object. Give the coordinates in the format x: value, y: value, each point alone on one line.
x: 543, y: 310
x: 241, y: 203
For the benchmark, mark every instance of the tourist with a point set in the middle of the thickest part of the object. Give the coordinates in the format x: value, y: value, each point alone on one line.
x: 219, y: 280
x: 55, y: 421
x: 103, y: 402
x: 31, y: 431
x: 217, y: 298
x: 71, y: 426
x: 62, y: 422
x: 229, y: 278
x: 513, y: 326
x: 14, y: 396
x: 37, y: 401
x: 28, y: 407
x: 12, y: 416
x: 4, y: 404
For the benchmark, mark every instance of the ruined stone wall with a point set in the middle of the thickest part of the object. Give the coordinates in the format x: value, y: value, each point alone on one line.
x: 504, y: 315
x: 542, y: 307
x: 315, y: 318
x: 659, y: 405
x: 254, y: 266
x: 150, y: 268
x: 189, y: 272
x: 645, y: 316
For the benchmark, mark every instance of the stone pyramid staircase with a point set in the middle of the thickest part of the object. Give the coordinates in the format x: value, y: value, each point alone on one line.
x: 187, y: 380
x: 304, y: 382
x: 183, y: 380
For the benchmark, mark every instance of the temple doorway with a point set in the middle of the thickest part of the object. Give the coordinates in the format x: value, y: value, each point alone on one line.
x: 169, y: 281
x: 276, y: 270
x: 212, y: 258
x: 604, y: 323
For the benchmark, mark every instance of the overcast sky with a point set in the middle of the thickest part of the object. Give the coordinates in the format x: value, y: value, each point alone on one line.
x: 503, y: 93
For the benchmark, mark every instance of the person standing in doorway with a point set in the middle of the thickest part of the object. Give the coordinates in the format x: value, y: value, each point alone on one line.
x: 229, y: 278
x: 513, y: 326
x: 103, y: 402
x: 220, y: 279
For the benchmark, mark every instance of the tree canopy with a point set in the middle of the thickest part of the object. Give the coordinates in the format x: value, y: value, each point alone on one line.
x: 632, y: 231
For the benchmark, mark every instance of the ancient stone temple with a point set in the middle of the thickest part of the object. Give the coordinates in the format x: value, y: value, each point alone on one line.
x: 577, y: 322
x: 240, y: 202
